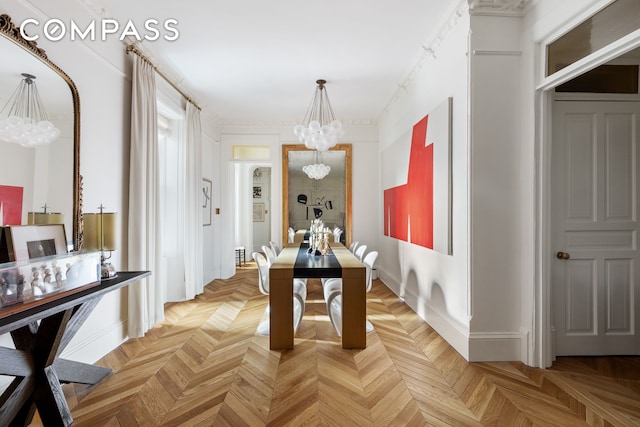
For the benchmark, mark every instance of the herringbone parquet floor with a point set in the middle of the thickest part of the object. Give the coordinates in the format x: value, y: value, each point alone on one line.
x: 206, y: 366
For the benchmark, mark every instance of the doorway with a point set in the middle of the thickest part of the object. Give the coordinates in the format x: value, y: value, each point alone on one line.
x: 546, y: 346
x: 261, y: 208
x: 595, y: 287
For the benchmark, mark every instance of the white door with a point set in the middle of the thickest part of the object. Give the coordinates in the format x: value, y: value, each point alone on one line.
x: 595, y: 282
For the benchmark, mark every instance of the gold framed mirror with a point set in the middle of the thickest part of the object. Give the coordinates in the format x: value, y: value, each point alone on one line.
x: 304, y: 198
x: 49, y: 174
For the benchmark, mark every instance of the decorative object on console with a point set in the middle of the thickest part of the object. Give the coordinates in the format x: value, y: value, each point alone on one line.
x: 45, y: 217
x: 25, y: 280
x: 319, y: 129
x: 24, y: 242
x: 100, y: 234
x: 26, y: 122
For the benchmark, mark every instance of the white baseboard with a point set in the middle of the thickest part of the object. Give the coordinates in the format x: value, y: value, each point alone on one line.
x: 446, y: 327
x: 494, y: 346
x: 474, y: 347
x: 93, y: 347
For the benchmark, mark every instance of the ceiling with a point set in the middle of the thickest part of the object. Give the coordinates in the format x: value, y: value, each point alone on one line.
x: 256, y: 61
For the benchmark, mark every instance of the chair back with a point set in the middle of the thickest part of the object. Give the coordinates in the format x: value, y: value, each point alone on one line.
x: 275, y: 247
x: 337, y: 233
x: 263, y: 272
x: 271, y: 257
x: 369, y: 262
x: 291, y: 235
x: 353, y: 246
x: 359, y: 253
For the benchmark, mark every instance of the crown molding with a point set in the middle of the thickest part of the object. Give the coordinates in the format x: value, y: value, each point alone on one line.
x: 281, y: 123
x: 499, y: 7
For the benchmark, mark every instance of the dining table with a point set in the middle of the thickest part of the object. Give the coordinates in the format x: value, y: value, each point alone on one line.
x: 295, y: 262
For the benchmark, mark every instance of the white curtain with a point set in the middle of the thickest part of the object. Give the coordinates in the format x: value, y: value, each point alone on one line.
x: 193, y: 247
x: 146, y: 298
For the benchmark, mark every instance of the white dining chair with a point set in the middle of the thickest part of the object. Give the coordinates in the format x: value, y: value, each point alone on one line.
x: 359, y: 253
x: 337, y: 233
x: 332, y: 290
x: 271, y: 256
x: 275, y: 247
x: 291, y: 234
x: 299, y: 294
x: 353, y: 246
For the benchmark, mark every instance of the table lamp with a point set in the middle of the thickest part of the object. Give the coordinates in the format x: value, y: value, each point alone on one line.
x: 39, y: 218
x: 100, y: 234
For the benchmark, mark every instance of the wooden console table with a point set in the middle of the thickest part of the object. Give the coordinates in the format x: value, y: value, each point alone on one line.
x: 35, y: 362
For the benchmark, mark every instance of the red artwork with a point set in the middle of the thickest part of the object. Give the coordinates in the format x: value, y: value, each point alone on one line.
x: 408, y: 208
x: 10, y: 205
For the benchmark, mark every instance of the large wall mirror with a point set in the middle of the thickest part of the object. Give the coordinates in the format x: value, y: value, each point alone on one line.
x: 304, y: 198
x: 48, y: 174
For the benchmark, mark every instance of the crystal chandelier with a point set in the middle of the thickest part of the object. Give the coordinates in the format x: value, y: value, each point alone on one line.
x: 316, y: 170
x: 26, y: 121
x: 319, y: 130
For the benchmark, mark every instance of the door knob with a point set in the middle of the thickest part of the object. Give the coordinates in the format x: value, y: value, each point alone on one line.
x: 563, y: 255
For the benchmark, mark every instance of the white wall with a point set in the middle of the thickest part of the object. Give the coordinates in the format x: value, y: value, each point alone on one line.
x: 211, y: 239
x: 434, y: 284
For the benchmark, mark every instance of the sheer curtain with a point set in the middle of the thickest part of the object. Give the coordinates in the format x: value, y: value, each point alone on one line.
x: 193, y: 248
x: 146, y: 298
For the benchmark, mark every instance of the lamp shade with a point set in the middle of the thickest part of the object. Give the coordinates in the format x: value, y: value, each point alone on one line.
x: 39, y: 218
x: 100, y: 231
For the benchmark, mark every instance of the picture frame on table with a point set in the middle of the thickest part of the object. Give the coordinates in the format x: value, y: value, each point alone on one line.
x: 26, y: 242
x: 207, y: 201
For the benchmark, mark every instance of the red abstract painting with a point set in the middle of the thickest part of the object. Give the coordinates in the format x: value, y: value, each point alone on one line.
x: 418, y: 209
x: 10, y: 205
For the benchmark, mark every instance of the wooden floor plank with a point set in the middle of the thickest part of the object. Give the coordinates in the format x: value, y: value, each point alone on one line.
x: 205, y: 365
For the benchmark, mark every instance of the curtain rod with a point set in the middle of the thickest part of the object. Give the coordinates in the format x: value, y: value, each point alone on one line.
x: 134, y: 49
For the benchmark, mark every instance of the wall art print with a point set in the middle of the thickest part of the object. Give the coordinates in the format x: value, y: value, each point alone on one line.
x: 10, y: 205
x: 416, y: 178
x: 207, y: 200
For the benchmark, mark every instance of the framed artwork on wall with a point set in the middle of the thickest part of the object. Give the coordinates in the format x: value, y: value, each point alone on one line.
x: 257, y: 192
x: 416, y: 178
x: 207, y: 201
x: 258, y: 212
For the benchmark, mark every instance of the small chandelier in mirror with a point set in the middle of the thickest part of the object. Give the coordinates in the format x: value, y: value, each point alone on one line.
x: 316, y: 170
x: 26, y: 121
x: 319, y: 130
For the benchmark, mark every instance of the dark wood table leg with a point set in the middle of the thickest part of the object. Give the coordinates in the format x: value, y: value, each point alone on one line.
x: 39, y: 371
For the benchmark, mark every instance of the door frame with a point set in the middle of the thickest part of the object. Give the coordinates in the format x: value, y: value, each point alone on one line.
x: 541, y: 352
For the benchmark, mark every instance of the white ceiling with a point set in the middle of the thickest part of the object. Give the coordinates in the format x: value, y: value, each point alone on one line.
x: 248, y: 61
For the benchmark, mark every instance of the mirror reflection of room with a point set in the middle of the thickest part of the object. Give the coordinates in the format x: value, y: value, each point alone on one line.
x: 37, y: 186
x: 311, y: 198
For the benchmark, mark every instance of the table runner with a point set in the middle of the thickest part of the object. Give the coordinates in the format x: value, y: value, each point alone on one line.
x: 311, y: 266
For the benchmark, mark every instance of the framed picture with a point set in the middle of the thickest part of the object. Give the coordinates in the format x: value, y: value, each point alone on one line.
x: 257, y: 192
x: 26, y: 242
x: 207, y: 200
x: 258, y: 212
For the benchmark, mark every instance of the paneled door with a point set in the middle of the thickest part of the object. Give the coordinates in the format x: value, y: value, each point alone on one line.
x: 595, y: 279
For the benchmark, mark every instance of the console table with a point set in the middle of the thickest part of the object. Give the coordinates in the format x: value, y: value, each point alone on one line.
x: 35, y: 362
